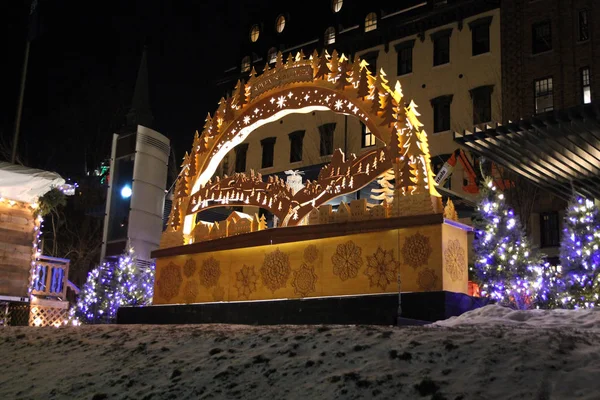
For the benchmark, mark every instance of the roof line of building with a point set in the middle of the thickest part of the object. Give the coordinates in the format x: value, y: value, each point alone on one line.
x: 404, y: 10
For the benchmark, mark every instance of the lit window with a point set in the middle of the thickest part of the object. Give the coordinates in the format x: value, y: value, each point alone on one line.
x: 254, y: 33
x: 330, y: 36
x: 246, y: 64
x: 586, y: 86
x: 272, y: 55
x: 544, y: 95
x: 584, y: 27
x: 336, y: 5
x: 367, y: 136
x: 280, y: 25
x: 371, y: 22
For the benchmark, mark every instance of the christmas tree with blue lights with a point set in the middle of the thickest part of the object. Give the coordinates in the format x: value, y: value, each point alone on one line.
x: 508, y: 269
x: 580, y: 255
x: 111, y: 285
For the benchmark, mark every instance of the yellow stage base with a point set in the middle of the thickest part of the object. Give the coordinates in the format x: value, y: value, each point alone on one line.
x: 415, y: 254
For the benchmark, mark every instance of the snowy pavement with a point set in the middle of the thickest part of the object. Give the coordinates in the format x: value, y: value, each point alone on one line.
x: 490, y: 353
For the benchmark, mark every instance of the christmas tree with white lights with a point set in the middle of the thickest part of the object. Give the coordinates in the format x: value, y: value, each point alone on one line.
x: 580, y: 255
x: 506, y: 266
x: 113, y: 285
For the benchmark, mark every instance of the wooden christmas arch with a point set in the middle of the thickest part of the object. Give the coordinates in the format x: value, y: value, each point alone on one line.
x: 303, y: 85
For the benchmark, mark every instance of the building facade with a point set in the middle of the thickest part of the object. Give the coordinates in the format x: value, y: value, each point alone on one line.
x: 467, y: 64
x: 446, y: 55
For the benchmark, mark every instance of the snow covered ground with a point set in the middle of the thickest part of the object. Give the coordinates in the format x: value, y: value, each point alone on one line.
x: 490, y: 353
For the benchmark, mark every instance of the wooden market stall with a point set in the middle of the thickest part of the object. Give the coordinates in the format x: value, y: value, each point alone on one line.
x: 25, y: 276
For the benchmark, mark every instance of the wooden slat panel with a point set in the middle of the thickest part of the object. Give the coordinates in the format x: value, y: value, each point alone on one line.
x: 18, y: 227
x: 15, y: 237
x: 15, y: 250
x: 12, y: 267
x: 14, y: 288
x: 14, y: 213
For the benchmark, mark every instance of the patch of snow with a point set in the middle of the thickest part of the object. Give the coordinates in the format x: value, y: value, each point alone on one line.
x: 464, y: 361
x: 494, y: 314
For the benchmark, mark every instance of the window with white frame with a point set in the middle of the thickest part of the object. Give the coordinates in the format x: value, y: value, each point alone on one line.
x: 246, y: 64
x: 329, y: 36
x: 280, y: 24
x: 368, y: 139
x: 336, y: 5
x: 254, y: 33
x: 371, y: 22
x: 272, y: 55
x: 544, y: 95
x: 586, y: 86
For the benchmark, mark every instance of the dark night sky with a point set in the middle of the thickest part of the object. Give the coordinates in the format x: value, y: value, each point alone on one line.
x: 82, y: 72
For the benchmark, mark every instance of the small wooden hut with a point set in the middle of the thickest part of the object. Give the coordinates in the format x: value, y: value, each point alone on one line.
x: 32, y: 287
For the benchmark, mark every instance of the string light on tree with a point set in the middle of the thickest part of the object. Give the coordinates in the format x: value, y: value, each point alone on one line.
x: 580, y: 255
x: 507, y: 267
x: 112, y: 285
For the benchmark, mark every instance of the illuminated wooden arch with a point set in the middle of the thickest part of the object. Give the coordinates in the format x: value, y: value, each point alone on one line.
x: 301, y: 85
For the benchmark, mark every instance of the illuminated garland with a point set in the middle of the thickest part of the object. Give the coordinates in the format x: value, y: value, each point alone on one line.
x: 509, y: 271
x: 113, y: 285
x: 580, y: 255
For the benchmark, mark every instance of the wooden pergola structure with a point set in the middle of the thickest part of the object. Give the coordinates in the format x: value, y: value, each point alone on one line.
x: 559, y: 150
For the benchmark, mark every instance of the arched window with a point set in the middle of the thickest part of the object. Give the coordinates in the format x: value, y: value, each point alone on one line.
x: 371, y: 22
x: 254, y: 33
x: 330, y: 36
x: 280, y: 23
x: 272, y: 55
x: 336, y: 5
x: 246, y: 64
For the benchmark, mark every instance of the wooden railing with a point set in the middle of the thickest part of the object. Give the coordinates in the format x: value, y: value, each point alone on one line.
x: 51, y: 276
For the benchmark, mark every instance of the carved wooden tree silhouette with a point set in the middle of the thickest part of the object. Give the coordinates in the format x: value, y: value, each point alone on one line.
x: 388, y: 111
x: 363, y: 83
x: 239, y: 96
x: 342, y: 81
x: 407, y: 176
x: 323, y: 70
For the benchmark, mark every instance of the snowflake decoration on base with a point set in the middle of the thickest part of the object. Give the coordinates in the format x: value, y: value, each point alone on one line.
x: 304, y: 280
x: 382, y: 268
x: 347, y: 260
x: 245, y: 281
x: 276, y: 270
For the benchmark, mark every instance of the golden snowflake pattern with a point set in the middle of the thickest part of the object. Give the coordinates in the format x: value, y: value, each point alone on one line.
x: 210, y: 272
x: 311, y: 253
x: 456, y: 260
x: 191, y: 290
x: 245, y: 281
x: 416, y: 250
x: 276, y: 270
x: 347, y: 260
x: 219, y: 293
x: 169, y: 282
x: 382, y: 268
x: 427, y: 280
x: 304, y: 280
x: 189, y: 268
